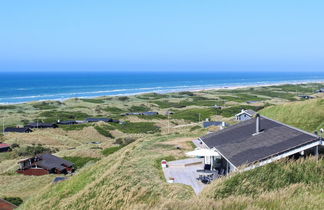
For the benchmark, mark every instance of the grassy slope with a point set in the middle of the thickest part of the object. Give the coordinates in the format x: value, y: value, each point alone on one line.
x: 308, y: 115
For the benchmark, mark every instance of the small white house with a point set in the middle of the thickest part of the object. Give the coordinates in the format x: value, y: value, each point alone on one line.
x: 245, y: 115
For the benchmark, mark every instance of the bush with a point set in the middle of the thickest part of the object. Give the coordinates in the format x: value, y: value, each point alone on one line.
x: 74, y: 127
x: 33, y: 150
x: 138, y: 127
x: 103, y: 130
x: 53, y: 115
x: 123, y: 98
x: 141, y: 108
x: 113, y: 110
x: 93, y: 100
x: 195, y: 128
x: 14, y: 145
x: 124, y: 141
x: 193, y: 114
x: 14, y: 200
x: 79, y: 162
x: 110, y: 150
x: 46, y: 105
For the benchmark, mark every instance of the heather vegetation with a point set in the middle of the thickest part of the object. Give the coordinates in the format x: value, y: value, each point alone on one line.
x: 119, y: 164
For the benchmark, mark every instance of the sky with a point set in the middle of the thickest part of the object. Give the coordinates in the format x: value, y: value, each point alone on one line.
x: 168, y: 35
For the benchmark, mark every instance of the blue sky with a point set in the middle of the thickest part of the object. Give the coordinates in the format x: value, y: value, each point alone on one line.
x: 166, y: 35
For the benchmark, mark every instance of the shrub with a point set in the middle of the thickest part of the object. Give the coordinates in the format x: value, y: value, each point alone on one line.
x: 93, y: 100
x: 113, y: 110
x: 111, y: 150
x: 74, y: 127
x: 33, y: 150
x: 138, y: 127
x: 123, y: 98
x: 141, y: 108
x: 14, y: 145
x: 53, y: 115
x: 193, y: 114
x: 79, y: 162
x: 103, y: 130
x: 195, y: 128
x: 124, y: 141
x: 14, y: 200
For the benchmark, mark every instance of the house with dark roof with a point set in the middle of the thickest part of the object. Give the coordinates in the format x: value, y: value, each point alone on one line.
x: 99, y: 120
x: 245, y: 115
x: 67, y: 122
x: 150, y: 113
x: 5, y: 205
x: 4, y: 147
x: 41, y: 125
x: 258, y: 141
x: 321, y: 90
x: 18, y: 130
x: 45, y: 164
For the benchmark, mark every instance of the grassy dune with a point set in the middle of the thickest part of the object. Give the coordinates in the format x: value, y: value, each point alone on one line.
x: 112, y: 175
x: 307, y: 115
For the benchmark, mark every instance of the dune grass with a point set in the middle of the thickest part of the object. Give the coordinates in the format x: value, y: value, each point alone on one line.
x: 307, y: 115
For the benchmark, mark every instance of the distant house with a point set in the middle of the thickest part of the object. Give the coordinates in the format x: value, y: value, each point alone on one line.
x: 214, y: 123
x: 321, y: 90
x: 256, y: 142
x: 99, y: 120
x: 4, y: 147
x: 67, y: 122
x: 45, y: 164
x: 305, y: 97
x: 150, y: 113
x: 140, y: 113
x: 18, y: 130
x: 41, y: 125
x: 132, y: 113
x: 5, y: 205
x: 245, y: 115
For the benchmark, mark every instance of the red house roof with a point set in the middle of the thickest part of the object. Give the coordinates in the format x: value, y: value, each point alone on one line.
x: 4, y: 145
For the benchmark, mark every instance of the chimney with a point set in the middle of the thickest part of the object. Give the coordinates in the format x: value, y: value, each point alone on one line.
x: 257, y: 124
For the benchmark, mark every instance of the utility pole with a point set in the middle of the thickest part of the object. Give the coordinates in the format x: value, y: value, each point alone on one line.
x: 3, y: 128
x: 199, y: 117
x: 168, y: 122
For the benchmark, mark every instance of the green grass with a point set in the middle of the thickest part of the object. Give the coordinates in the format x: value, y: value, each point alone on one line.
x: 141, y: 108
x: 75, y: 126
x: 271, y: 177
x: 307, y: 115
x: 54, y: 115
x: 242, y: 98
x: 79, y: 162
x: 104, y: 130
x: 93, y: 100
x: 5, y: 107
x: 113, y: 110
x: 193, y: 114
x: 138, y: 127
x: 111, y: 150
x: 231, y: 111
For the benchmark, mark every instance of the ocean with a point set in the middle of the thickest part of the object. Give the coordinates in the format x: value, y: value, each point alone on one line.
x: 25, y: 87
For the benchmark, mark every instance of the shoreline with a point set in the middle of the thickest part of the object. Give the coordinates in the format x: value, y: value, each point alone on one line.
x: 229, y: 87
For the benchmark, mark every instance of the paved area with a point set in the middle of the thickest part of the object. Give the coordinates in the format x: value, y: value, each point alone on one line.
x: 185, y: 172
x: 198, y: 144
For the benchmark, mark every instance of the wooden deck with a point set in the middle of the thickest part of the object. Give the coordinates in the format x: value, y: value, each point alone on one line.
x: 185, y: 172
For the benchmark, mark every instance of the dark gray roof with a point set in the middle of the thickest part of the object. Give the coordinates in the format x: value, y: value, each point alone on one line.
x: 238, y: 144
x: 67, y: 122
x: 48, y: 162
x: 41, y: 125
x: 18, y: 130
x: 150, y: 113
x: 99, y: 120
